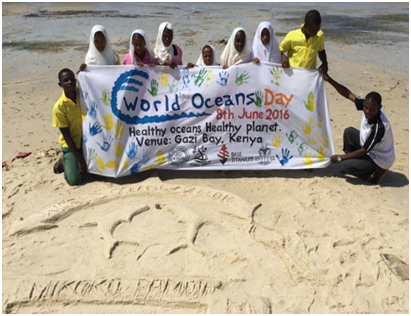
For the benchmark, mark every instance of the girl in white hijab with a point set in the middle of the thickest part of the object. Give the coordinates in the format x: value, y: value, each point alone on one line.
x: 100, y: 51
x: 165, y: 52
x: 140, y: 52
x: 236, y: 51
x: 265, y: 45
x: 207, y: 57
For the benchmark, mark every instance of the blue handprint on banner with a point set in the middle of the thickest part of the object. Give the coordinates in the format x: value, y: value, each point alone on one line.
x: 95, y: 129
x: 107, y: 141
x: 92, y: 111
x: 186, y: 78
x: 85, y: 137
x: 135, y: 168
x: 132, y: 151
x: 285, y: 158
x: 223, y: 78
x: 85, y: 95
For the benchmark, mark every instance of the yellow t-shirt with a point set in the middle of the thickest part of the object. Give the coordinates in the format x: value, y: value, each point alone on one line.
x: 66, y: 113
x: 300, y: 52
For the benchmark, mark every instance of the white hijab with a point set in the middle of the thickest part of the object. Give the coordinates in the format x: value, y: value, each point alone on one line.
x: 200, y: 61
x: 271, y: 52
x: 160, y: 51
x: 148, y: 46
x: 230, y: 56
x: 94, y: 57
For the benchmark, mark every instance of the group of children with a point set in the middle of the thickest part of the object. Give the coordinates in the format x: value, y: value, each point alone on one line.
x: 298, y: 49
x: 301, y: 46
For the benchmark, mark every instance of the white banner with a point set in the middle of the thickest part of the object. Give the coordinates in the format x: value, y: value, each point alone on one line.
x: 245, y: 117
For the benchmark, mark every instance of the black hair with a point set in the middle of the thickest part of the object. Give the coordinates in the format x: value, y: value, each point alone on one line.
x: 206, y: 46
x: 313, y: 17
x: 374, y: 97
x: 63, y: 71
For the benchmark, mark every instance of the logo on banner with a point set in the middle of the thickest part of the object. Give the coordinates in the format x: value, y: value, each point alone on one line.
x: 200, y: 156
x: 132, y: 105
x: 223, y: 154
x: 178, y: 156
x: 264, y: 156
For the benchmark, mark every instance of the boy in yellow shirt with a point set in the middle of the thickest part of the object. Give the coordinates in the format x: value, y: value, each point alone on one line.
x: 303, y: 44
x: 67, y: 117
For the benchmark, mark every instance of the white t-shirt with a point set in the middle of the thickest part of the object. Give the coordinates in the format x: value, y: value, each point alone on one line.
x: 376, y: 138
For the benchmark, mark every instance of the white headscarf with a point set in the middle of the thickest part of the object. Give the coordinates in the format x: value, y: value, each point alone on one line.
x: 148, y: 46
x: 200, y: 61
x: 271, y: 52
x: 94, y: 57
x: 160, y: 51
x: 230, y: 56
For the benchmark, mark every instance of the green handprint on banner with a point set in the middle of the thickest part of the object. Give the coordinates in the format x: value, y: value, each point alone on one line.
x: 91, y: 153
x: 106, y: 97
x: 292, y: 137
x: 241, y: 79
x: 154, y: 88
x: 200, y: 78
x: 310, y: 105
x: 302, y: 148
x: 173, y: 88
x: 258, y: 101
x: 276, y: 73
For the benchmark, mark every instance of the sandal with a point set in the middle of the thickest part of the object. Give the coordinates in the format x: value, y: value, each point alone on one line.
x: 22, y: 155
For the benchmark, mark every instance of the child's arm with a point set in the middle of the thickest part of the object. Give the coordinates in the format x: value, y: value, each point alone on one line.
x: 340, y: 88
x: 256, y: 61
x: 284, y: 47
x: 355, y: 154
x: 284, y: 61
x: 70, y: 142
x: 324, y: 66
x: 170, y: 63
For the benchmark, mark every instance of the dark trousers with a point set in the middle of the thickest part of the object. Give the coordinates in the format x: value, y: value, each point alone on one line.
x: 360, y: 167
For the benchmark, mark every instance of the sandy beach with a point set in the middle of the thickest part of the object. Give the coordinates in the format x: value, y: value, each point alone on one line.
x: 190, y: 241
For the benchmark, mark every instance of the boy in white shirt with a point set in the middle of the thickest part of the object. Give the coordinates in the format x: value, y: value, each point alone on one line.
x: 369, y: 152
